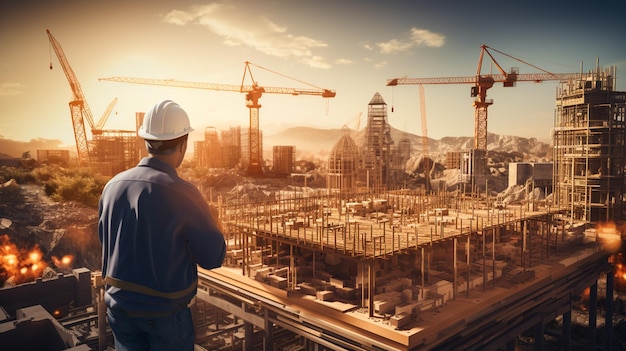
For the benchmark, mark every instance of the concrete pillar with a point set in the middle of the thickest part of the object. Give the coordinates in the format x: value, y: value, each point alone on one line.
x: 311, y: 345
x: 566, y: 341
x: 102, y: 319
x: 268, y: 341
x: 608, y: 317
x: 593, y: 313
x: 454, y: 286
x: 370, y: 288
x: 510, y: 346
x: 248, y: 339
x: 467, y: 256
x: 538, y: 334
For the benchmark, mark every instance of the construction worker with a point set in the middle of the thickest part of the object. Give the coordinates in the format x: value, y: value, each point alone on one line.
x: 155, y: 228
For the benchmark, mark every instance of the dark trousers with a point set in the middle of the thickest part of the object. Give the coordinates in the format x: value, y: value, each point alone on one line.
x: 171, y: 333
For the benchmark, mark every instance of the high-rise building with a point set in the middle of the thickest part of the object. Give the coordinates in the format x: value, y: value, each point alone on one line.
x: 231, y: 147
x: 284, y: 157
x: 376, y: 149
x: 245, y: 148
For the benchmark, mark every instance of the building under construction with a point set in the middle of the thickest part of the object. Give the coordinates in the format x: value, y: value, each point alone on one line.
x: 589, y: 142
x: 368, y: 268
x: 114, y: 151
x: 376, y: 148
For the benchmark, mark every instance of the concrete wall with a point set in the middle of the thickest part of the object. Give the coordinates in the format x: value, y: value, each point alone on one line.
x: 519, y: 172
x: 51, y: 294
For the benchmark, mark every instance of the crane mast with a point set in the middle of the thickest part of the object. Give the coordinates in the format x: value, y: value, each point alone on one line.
x: 253, y: 94
x: 78, y: 106
x: 427, y: 164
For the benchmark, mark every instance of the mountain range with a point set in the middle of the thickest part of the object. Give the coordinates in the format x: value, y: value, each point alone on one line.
x: 320, y: 141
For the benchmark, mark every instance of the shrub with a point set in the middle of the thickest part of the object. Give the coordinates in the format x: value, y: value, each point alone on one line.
x: 19, y: 174
x: 71, y: 184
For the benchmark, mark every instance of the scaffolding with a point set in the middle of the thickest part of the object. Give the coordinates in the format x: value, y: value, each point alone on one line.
x: 589, y: 140
x: 114, y: 151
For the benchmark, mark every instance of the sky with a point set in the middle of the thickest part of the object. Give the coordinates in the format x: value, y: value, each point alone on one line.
x: 351, y: 47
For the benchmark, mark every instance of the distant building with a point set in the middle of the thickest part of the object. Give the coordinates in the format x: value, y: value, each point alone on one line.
x: 343, y: 165
x: 539, y: 172
x: 208, y: 153
x: 399, y: 157
x: 453, y: 160
x: 231, y: 147
x: 283, y: 159
x: 54, y: 156
x: 376, y: 149
x: 245, y: 147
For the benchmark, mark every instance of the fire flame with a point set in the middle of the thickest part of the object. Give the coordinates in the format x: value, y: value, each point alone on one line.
x: 63, y: 262
x: 609, y: 236
x: 620, y: 271
x: 19, y: 265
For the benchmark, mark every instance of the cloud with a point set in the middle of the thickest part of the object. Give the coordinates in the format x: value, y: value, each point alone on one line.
x: 344, y: 61
x: 381, y: 64
x: 11, y: 89
x: 237, y: 28
x: 418, y: 37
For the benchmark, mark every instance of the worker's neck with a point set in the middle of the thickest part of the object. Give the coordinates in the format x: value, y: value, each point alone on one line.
x: 174, y: 159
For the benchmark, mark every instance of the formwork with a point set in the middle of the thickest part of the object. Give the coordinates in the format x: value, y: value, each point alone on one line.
x: 399, y: 270
x: 589, y: 147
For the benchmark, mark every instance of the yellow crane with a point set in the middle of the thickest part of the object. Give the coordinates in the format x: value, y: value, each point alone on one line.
x: 253, y: 94
x: 78, y: 106
x: 482, y: 82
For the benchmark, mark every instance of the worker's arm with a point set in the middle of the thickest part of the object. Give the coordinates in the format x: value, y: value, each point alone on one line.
x: 206, y: 241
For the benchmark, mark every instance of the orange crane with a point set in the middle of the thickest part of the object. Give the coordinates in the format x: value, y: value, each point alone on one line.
x: 78, y: 106
x: 482, y: 82
x: 253, y: 94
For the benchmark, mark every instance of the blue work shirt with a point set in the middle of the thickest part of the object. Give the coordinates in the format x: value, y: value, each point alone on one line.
x: 155, y: 228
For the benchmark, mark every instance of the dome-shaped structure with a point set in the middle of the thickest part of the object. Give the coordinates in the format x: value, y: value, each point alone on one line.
x: 343, y: 164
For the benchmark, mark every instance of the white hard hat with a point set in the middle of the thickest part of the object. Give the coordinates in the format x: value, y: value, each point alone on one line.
x: 165, y: 121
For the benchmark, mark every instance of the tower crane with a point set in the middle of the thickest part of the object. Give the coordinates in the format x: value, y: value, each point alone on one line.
x: 482, y: 82
x: 427, y: 163
x: 78, y: 106
x: 253, y: 94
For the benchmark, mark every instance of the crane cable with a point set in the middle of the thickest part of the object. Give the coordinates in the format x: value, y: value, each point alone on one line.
x: 50, y: 52
x: 326, y: 108
x: 286, y: 76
